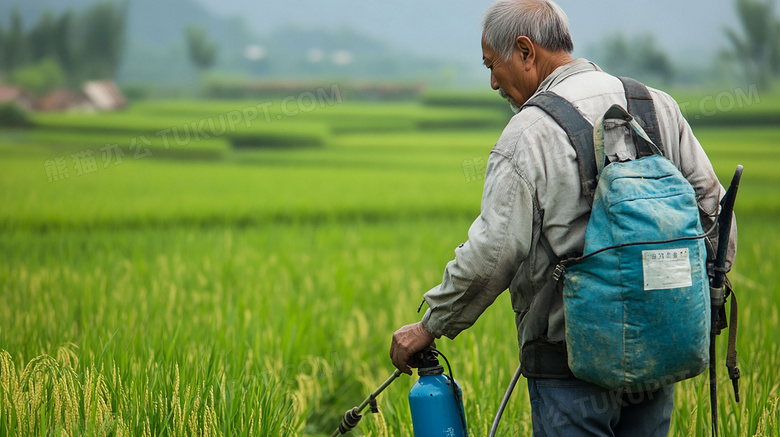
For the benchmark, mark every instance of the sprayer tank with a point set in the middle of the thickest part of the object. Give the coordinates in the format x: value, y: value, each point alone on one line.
x: 435, y: 412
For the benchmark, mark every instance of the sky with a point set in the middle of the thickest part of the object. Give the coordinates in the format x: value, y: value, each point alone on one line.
x: 688, y: 29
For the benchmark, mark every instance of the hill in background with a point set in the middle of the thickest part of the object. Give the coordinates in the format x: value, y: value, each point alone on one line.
x: 435, y: 42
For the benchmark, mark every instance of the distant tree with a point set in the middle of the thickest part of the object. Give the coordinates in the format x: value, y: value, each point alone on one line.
x: 654, y: 60
x: 202, y: 52
x: 64, y: 50
x: 63, y: 45
x: 758, y: 48
x: 14, y: 44
x: 637, y: 57
x: 103, y: 40
x: 11, y: 115
x: 42, y: 37
x: 40, y: 78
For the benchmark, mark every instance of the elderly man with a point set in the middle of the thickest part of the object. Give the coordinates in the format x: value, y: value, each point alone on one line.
x: 533, y: 213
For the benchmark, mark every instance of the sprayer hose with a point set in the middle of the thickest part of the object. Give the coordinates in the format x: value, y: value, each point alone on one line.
x: 504, y: 401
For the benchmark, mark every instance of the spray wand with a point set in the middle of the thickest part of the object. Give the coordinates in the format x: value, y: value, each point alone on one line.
x: 352, y: 417
x: 435, y: 401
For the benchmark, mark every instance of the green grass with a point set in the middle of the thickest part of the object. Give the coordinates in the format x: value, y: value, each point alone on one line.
x: 254, y: 292
x: 756, y: 148
x: 179, y: 133
x: 52, y: 143
x: 404, y: 175
x: 741, y: 106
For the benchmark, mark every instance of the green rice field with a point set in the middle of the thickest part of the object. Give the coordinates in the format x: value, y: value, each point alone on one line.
x: 246, y: 281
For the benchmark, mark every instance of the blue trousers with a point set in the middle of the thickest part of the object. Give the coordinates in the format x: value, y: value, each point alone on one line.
x: 572, y: 408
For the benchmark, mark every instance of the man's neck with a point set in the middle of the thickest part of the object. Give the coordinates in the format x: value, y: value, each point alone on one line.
x: 550, y: 61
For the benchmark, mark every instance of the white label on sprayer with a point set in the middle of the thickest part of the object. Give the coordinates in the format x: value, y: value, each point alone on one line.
x: 665, y: 269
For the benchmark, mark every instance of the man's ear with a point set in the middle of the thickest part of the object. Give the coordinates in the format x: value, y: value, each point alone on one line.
x: 525, y: 48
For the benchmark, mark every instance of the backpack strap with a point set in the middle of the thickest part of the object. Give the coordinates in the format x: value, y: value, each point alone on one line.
x: 542, y: 358
x: 580, y: 133
x: 640, y: 105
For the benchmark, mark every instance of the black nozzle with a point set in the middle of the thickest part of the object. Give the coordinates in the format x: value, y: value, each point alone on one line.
x: 428, y: 361
x: 734, y: 375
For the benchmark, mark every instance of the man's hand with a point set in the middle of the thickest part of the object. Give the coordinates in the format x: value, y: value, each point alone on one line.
x: 406, y: 342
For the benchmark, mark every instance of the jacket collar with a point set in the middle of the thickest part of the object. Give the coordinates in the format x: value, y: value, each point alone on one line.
x: 576, y: 66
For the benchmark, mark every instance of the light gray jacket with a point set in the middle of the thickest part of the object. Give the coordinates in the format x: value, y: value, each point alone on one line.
x: 533, y: 211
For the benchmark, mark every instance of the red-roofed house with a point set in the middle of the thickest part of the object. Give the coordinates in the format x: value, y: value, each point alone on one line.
x: 17, y: 95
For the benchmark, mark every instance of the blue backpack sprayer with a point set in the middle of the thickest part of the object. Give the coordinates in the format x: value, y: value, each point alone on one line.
x: 610, y: 279
x: 436, y: 401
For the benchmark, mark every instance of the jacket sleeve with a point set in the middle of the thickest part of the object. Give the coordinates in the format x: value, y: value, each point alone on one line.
x: 498, y: 241
x: 696, y: 167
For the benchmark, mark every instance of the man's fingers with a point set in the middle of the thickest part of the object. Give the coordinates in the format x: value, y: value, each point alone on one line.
x: 399, y: 361
x: 407, y: 341
x: 397, y: 356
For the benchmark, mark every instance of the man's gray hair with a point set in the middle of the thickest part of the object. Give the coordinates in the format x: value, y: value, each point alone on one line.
x: 542, y: 21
